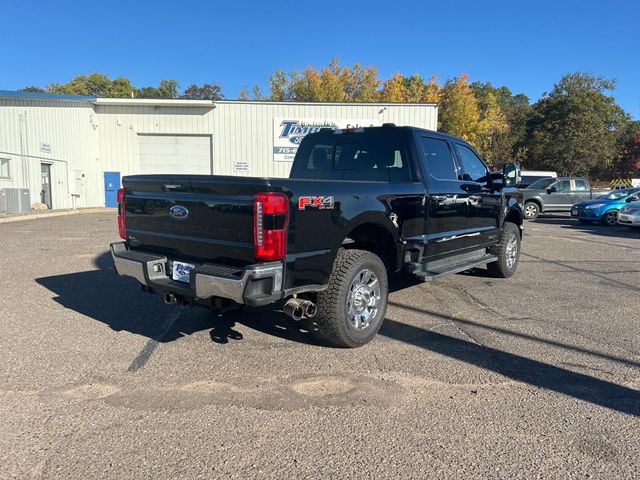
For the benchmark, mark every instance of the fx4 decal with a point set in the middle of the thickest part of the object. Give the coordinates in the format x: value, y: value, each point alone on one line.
x: 321, y: 203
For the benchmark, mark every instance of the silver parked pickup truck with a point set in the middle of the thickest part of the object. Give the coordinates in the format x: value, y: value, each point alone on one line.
x: 557, y: 195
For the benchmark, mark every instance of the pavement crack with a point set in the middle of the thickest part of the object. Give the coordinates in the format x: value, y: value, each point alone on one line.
x: 145, y: 354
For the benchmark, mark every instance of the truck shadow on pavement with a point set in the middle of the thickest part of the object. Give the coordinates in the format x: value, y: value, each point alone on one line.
x: 117, y: 302
x: 596, y: 228
x: 533, y: 372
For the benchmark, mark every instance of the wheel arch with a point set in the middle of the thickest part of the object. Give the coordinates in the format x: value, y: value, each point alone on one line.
x: 376, y: 234
x: 515, y: 215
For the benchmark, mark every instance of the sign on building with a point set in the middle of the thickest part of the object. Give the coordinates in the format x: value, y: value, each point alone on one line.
x: 289, y: 132
x: 240, y: 166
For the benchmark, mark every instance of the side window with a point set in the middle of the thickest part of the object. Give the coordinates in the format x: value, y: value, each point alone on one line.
x: 4, y: 168
x: 438, y: 159
x: 473, y: 169
x: 563, y: 186
x: 581, y: 185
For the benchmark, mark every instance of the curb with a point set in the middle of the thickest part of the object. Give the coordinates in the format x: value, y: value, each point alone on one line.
x: 61, y: 213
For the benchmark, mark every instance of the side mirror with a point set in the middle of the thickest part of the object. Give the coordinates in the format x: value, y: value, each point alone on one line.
x: 552, y: 189
x: 511, y: 174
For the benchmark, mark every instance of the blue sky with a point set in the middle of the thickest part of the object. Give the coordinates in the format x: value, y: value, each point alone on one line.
x: 526, y: 46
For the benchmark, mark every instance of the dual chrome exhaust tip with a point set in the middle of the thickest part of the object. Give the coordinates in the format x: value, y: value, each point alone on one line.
x: 298, y: 309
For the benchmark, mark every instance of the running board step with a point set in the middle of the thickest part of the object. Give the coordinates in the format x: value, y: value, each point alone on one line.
x: 433, y: 274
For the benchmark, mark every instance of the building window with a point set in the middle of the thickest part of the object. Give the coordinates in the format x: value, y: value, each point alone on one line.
x: 4, y: 168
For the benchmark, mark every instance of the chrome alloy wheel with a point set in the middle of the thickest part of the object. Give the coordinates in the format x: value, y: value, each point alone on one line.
x: 530, y: 210
x: 611, y: 217
x: 512, y: 251
x: 363, y: 299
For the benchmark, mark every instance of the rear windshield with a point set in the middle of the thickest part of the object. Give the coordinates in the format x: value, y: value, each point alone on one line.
x: 529, y: 179
x: 367, y: 156
x: 541, y: 184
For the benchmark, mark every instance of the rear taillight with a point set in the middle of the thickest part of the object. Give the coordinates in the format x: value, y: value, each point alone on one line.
x: 271, y: 214
x: 122, y: 220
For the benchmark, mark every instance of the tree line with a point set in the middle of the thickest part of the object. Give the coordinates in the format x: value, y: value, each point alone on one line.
x: 575, y: 129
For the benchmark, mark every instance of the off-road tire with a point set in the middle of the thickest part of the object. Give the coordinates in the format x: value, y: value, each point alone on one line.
x: 332, y: 320
x: 531, y: 210
x: 503, y: 268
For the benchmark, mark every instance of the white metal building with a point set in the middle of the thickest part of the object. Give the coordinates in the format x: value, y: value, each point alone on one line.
x: 71, y: 151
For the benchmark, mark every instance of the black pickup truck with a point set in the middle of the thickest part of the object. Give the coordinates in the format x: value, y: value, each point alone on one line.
x: 358, y: 204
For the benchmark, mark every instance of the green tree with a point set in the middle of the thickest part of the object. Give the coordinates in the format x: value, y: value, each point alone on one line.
x: 208, y: 91
x: 278, y: 86
x: 244, y: 94
x: 166, y: 89
x: 629, y: 162
x: 256, y: 93
x: 94, y: 84
x: 32, y: 89
x: 577, y: 128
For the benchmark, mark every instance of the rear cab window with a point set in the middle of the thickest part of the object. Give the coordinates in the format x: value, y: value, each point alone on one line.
x: 581, y: 185
x: 367, y: 156
x: 437, y: 158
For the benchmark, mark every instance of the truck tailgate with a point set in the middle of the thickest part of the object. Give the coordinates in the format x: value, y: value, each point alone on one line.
x: 207, y: 218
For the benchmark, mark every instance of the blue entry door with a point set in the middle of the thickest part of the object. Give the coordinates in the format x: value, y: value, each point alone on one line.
x: 111, y: 186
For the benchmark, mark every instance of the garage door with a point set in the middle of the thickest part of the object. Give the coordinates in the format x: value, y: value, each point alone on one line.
x: 175, y: 154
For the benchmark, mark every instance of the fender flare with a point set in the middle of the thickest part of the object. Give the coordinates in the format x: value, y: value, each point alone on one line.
x: 378, y: 219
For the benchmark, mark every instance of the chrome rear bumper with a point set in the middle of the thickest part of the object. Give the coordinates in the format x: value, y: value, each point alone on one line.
x: 253, y: 285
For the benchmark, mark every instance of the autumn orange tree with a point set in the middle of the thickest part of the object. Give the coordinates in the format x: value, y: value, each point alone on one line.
x: 332, y: 83
x: 413, y: 89
x: 459, y: 112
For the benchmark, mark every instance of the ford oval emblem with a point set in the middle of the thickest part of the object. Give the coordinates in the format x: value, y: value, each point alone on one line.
x: 179, y: 212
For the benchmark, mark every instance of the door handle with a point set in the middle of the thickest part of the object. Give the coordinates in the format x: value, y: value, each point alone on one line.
x: 474, y: 198
x: 438, y: 198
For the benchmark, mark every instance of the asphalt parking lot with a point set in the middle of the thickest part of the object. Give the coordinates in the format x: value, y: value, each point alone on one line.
x: 534, y: 376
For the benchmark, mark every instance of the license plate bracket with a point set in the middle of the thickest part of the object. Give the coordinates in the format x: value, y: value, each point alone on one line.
x: 181, y: 271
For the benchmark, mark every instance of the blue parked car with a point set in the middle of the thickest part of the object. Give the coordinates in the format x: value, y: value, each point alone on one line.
x: 605, y: 209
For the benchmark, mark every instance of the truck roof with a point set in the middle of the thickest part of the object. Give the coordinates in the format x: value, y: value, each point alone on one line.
x: 388, y: 126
